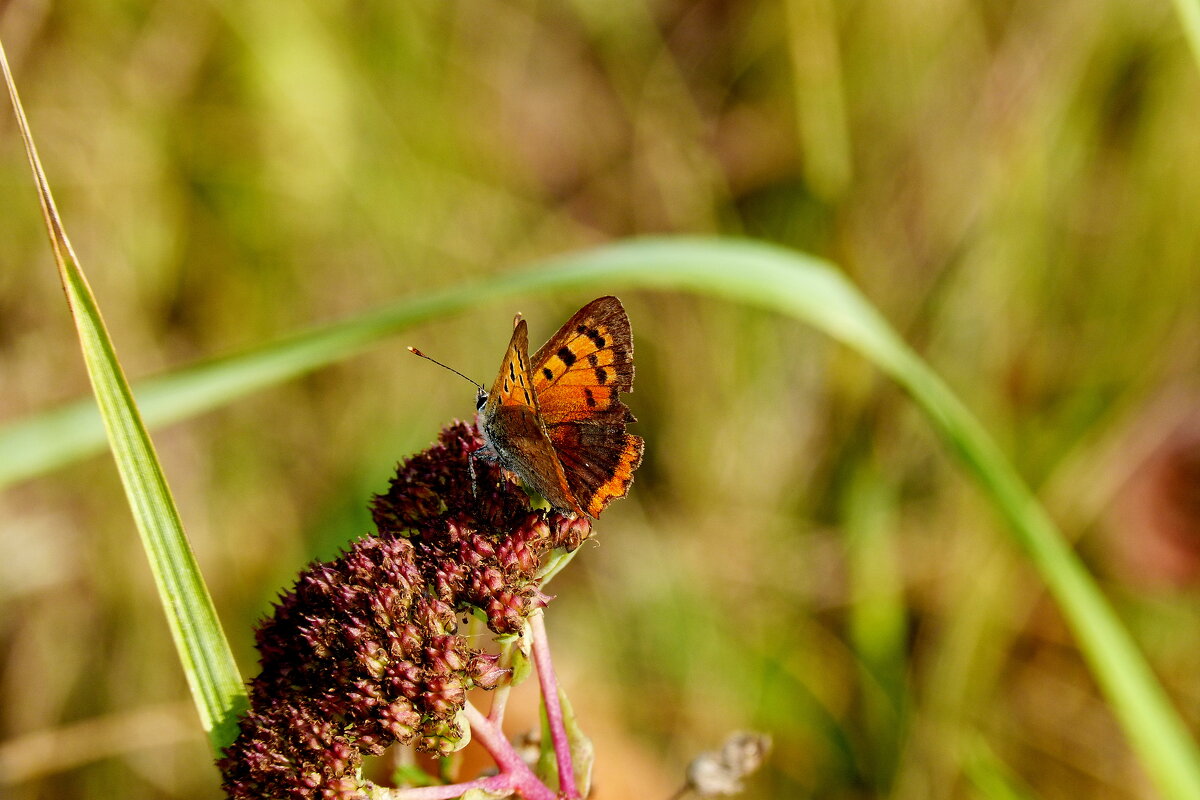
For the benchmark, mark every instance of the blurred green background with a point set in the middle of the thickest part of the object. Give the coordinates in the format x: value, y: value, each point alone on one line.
x: 1014, y: 184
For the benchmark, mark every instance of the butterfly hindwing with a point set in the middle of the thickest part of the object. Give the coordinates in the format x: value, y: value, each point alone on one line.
x: 599, y: 461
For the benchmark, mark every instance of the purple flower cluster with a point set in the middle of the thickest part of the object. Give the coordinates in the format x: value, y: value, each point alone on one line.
x: 363, y: 652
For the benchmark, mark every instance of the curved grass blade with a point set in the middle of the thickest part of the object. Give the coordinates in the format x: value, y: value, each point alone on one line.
x: 43, y: 442
x: 813, y: 291
x: 207, y: 660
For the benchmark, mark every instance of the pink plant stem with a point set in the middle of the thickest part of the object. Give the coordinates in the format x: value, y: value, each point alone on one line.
x: 554, y: 714
x: 500, y: 695
x: 515, y: 776
x: 496, y: 783
x: 499, y: 703
x: 520, y: 778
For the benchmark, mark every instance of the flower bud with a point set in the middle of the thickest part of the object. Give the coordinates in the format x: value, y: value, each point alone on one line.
x: 486, y: 672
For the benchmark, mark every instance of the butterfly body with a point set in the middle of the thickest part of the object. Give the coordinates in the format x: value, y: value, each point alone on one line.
x: 556, y: 421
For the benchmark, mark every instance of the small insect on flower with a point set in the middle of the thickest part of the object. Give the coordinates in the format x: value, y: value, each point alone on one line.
x: 556, y: 421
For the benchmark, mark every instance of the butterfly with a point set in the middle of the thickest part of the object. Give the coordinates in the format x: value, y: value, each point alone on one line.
x: 555, y: 420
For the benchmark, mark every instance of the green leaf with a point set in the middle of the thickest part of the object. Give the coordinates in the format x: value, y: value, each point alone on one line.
x: 547, y: 764
x: 464, y: 725
x: 878, y: 626
x: 709, y: 266
x: 520, y: 657
x: 412, y: 775
x: 583, y: 752
x: 483, y: 794
x: 207, y: 661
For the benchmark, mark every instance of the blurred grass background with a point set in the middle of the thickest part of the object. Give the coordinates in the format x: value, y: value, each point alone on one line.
x: 1014, y: 184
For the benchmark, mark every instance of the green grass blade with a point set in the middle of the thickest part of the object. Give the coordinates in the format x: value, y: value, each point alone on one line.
x: 208, y: 662
x: 813, y: 291
x: 1189, y: 17
x: 43, y: 442
x: 991, y: 778
x: 810, y: 290
x: 878, y: 624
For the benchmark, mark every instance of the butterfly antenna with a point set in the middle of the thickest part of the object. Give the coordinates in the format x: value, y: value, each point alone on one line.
x: 417, y: 352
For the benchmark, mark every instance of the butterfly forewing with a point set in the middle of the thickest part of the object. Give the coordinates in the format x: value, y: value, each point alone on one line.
x: 513, y: 385
x: 514, y: 431
x: 578, y: 374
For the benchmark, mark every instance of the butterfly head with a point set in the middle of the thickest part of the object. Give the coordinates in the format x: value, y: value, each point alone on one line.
x: 481, y: 398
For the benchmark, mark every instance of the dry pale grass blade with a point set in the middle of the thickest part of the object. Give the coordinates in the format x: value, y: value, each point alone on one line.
x: 33, y: 755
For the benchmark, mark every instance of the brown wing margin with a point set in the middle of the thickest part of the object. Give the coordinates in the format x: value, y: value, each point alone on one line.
x: 600, y: 329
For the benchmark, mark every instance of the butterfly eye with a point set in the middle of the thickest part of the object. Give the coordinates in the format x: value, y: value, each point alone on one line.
x: 480, y: 399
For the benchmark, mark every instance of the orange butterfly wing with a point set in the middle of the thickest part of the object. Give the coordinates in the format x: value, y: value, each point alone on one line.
x: 577, y: 377
x: 514, y: 432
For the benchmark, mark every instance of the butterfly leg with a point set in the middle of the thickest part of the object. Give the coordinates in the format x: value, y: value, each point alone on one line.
x: 474, y: 454
x: 484, y: 453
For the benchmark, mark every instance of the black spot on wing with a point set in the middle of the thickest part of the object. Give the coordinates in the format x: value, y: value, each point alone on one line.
x: 592, y: 334
x: 549, y: 373
x: 601, y: 375
x: 566, y: 356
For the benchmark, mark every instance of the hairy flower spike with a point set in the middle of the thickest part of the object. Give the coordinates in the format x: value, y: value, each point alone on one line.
x: 363, y: 651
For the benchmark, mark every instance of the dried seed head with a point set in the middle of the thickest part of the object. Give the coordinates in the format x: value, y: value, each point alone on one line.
x: 720, y: 772
x: 363, y: 651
